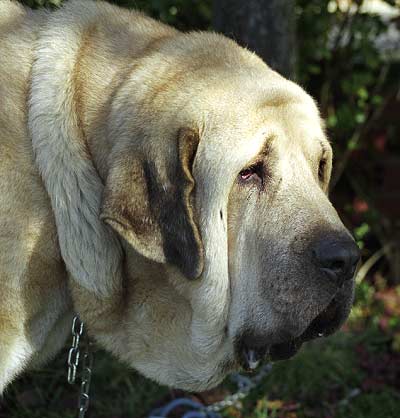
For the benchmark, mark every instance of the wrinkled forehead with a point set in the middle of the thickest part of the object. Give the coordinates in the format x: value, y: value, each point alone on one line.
x: 242, y: 125
x: 297, y: 128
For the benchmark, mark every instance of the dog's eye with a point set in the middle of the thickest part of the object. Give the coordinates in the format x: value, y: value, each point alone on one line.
x: 252, y: 172
x: 321, y: 169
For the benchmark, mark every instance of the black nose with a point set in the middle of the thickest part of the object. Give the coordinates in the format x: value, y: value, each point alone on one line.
x: 338, y: 259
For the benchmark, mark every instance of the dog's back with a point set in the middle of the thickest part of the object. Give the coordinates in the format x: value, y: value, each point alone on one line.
x: 32, y: 277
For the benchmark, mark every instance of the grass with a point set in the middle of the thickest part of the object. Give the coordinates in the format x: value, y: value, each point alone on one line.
x: 320, y: 381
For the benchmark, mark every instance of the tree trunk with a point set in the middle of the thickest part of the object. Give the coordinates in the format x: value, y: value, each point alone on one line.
x: 266, y: 27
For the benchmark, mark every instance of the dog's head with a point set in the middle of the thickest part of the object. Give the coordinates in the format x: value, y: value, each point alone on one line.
x: 217, y: 182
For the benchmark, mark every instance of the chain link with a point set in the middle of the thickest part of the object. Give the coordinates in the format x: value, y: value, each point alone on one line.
x: 245, y: 384
x: 87, y: 365
x: 74, y: 353
x: 74, y: 357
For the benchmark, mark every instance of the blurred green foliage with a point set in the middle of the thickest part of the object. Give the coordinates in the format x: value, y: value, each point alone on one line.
x: 183, y: 14
x: 356, y: 84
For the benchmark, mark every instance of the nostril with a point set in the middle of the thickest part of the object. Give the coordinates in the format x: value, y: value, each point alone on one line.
x: 336, y: 265
x: 337, y: 259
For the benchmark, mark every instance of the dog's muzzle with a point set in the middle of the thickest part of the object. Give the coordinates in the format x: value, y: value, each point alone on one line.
x: 252, y: 349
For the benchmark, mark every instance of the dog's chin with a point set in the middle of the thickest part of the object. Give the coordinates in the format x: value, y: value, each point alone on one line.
x: 326, y: 323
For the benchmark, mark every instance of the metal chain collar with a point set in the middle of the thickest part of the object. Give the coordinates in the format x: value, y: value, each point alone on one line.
x: 74, y: 357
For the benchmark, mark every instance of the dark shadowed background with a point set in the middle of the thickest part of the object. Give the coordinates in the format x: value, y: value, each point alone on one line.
x: 346, y: 54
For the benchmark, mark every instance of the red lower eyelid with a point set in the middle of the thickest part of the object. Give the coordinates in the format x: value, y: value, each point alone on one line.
x: 246, y: 174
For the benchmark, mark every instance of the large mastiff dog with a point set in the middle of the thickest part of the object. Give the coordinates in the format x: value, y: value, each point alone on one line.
x: 170, y: 188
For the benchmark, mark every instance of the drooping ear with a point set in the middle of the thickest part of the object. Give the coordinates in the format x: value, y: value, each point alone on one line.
x: 148, y: 200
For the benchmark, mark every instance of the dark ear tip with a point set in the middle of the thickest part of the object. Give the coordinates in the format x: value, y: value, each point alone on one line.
x: 193, y: 275
x: 190, y: 261
x: 194, y: 268
x: 191, y: 264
